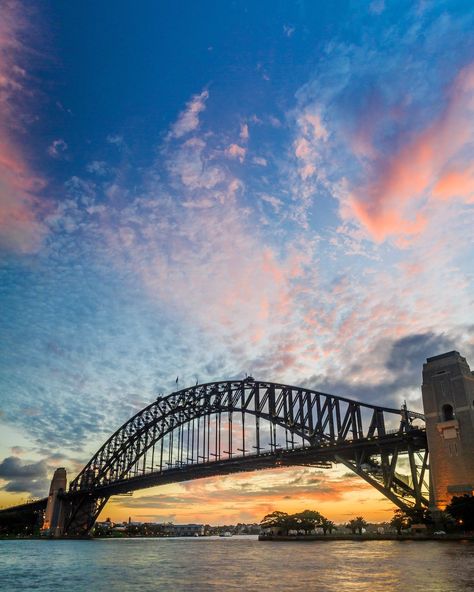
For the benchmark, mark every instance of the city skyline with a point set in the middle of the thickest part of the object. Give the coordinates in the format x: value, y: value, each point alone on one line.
x: 281, y: 191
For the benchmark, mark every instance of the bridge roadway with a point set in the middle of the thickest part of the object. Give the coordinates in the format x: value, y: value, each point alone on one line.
x: 321, y: 455
x: 33, y: 506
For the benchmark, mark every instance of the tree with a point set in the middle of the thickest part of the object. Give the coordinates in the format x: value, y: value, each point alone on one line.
x: 327, y: 525
x: 352, y: 525
x: 307, y: 520
x: 420, y: 516
x: 276, y: 520
x: 461, y: 508
x: 400, y: 521
x: 360, y: 524
x: 448, y: 522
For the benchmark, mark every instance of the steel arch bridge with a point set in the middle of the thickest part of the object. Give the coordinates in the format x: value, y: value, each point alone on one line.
x: 224, y: 427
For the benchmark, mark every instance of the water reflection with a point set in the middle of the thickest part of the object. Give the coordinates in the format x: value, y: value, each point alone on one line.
x: 239, y: 563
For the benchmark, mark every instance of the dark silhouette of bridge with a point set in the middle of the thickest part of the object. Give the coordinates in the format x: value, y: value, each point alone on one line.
x: 224, y: 427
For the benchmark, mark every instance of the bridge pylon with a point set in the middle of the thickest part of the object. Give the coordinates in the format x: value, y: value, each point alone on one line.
x: 53, y: 524
x: 448, y: 401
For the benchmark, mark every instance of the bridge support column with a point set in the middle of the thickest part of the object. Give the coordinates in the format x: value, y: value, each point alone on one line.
x: 82, y: 512
x: 448, y: 401
x: 54, y: 517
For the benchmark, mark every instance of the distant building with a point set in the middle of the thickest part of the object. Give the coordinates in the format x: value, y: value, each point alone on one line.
x: 106, y: 524
x: 419, y: 529
x: 185, y: 530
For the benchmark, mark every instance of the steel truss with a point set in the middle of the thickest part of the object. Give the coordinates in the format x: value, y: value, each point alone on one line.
x: 229, y: 426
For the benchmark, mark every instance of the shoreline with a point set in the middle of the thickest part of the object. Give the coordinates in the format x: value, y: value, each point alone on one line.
x: 366, y: 537
x: 279, y: 538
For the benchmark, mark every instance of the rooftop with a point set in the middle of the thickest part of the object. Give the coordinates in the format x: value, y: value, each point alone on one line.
x: 450, y: 354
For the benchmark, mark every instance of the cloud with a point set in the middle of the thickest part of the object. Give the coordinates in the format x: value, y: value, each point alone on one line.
x: 308, y: 147
x: 273, y: 201
x: 236, y: 152
x: 395, y: 139
x: 57, y: 149
x: 236, y: 283
x: 24, y: 478
x: 248, y: 494
x: 205, y: 239
x: 195, y: 267
x: 98, y: 167
x: 274, y: 121
x: 396, y: 371
x: 408, y: 354
x: 188, y: 120
x: 193, y: 169
x: 185, y: 254
x: 17, y: 450
x: 377, y: 6
x: 389, y: 204
x: 455, y: 183
x: 244, y: 132
x: 21, y: 211
x: 116, y: 140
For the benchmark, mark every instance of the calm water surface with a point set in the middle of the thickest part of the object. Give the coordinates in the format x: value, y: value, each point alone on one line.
x: 237, y: 563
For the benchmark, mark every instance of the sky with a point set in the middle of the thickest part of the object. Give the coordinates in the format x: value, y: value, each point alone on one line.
x: 209, y: 189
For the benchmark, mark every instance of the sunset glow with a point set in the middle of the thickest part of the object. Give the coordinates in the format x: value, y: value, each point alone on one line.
x: 282, y: 191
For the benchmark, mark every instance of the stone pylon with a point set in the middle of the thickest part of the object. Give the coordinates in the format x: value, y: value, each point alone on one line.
x: 53, y: 524
x: 448, y: 401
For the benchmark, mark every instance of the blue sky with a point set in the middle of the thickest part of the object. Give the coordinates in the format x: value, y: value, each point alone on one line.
x: 210, y: 189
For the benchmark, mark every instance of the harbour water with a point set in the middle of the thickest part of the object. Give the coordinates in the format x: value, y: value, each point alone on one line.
x: 237, y: 563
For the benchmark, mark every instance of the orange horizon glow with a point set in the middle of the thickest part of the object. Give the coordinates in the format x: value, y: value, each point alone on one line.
x: 247, y: 498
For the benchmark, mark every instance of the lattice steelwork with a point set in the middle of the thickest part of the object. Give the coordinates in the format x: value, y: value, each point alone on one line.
x: 223, y: 427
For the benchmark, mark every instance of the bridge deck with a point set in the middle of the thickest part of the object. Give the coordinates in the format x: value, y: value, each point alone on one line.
x: 310, y: 456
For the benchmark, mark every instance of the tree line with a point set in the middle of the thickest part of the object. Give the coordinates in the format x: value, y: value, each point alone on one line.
x: 458, y: 516
x: 308, y: 520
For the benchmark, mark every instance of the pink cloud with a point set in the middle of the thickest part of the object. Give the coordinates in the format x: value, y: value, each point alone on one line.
x: 308, y: 148
x: 456, y: 183
x: 244, y: 132
x: 307, y: 171
x: 190, y: 165
x: 21, y: 229
x: 200, y: 255
x: 391, y: 203
x: 236, y: 151
x: 312, y: 126
x: 276, y: 203
x: 302, y: 148
x: 188, y: 120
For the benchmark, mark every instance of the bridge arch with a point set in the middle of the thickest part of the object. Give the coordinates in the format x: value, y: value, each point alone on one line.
x: 303, y: 426
x: 313, y: 416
